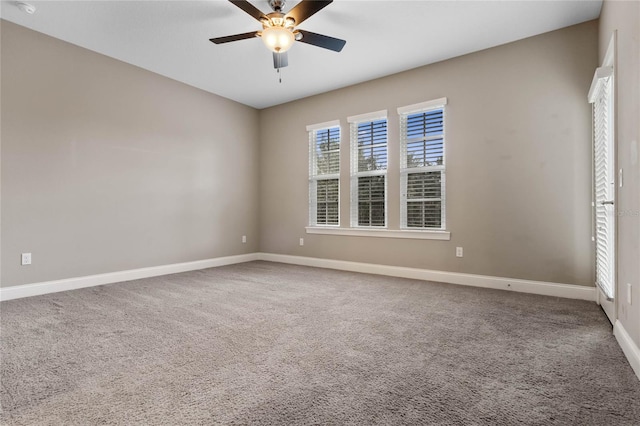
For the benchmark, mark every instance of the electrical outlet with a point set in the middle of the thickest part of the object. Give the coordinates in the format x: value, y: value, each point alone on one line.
x: 301, y: 241
x: 459, y: 252
x: 629, y: 299
x: 244, y: 239
x: 26, y: 259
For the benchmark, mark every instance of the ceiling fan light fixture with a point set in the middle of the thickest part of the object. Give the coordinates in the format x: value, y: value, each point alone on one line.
x: 279, y: 31
x: 277, y: 39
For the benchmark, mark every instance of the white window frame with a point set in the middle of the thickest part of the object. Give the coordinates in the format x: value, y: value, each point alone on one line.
x: 403, y: 113
x: 314, y: 177
x: 354, y: 121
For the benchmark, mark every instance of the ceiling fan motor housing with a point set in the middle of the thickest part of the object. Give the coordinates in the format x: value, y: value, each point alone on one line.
x: 278, y: 19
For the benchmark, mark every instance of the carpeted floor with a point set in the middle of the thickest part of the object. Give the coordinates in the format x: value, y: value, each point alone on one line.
x: 267, y: 343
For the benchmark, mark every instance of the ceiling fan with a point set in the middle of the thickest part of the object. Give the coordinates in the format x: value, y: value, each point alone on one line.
x: 279, y: 29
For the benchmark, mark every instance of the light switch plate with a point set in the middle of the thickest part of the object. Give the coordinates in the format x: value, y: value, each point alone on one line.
x: 620, y: 177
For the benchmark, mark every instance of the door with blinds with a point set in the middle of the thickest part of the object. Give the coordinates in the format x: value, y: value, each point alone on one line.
x: 604, y: 188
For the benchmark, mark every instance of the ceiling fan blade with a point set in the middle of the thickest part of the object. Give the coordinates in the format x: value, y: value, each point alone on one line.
x: 307, y: 8
x: 280, y: 60
x: 235, y: 37
x: 323, y: 41
x: 249, y: 8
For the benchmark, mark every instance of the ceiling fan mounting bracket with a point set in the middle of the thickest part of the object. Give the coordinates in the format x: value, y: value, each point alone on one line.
x: 277, y: 5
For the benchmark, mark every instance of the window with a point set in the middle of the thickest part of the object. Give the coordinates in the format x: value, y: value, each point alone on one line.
x: 420, y: 172
x: 422, y: 165
x: 369, y: 169
x: 324, y: 174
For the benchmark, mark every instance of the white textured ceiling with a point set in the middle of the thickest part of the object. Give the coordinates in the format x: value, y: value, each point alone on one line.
x: 171, y: 38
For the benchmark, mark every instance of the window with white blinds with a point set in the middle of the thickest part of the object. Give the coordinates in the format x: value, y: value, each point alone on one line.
x: 324, y: 174
x: 601, y: 96
x: 422, y: 165
x: 369, y: 169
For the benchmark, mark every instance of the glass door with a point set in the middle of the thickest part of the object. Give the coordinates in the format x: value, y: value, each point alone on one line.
x: 604, y: 186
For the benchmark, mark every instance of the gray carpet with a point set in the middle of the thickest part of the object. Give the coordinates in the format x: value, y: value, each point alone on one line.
x: 266, y: 343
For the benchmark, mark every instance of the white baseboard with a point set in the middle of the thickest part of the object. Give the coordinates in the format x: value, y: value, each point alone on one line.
x: 524, y: 286
x: 629, y: 347
x: 26, y: 290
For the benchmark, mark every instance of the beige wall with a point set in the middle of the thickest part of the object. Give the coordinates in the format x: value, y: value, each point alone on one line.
x: 624, y: 17
x: 107, y: 167
x: 518, y: 162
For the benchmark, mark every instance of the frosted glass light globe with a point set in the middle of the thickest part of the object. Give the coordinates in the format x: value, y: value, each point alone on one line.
x: 277, y: 39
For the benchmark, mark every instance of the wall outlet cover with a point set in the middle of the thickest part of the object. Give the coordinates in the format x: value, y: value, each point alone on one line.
x: 25, y: 259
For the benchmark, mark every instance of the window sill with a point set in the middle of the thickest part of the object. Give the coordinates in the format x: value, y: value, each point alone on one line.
x: 380, y: 233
